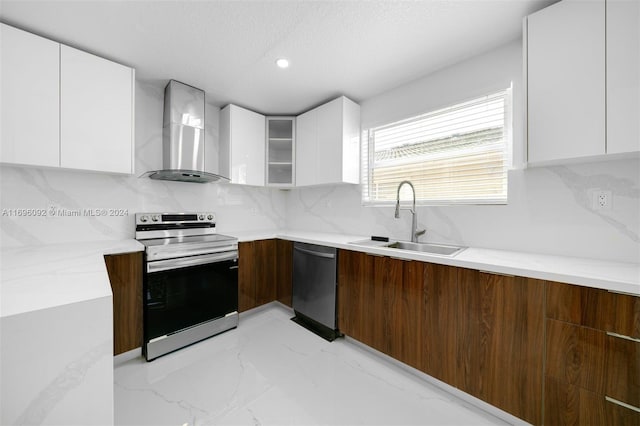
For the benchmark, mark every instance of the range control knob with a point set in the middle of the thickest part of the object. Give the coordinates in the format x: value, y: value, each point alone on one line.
x: 201, y: 217
x: 155, y: 218
x: 143, y: 219
x: 209, y: 217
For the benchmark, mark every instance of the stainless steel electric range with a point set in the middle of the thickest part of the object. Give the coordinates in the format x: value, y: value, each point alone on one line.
x: 190, y: 280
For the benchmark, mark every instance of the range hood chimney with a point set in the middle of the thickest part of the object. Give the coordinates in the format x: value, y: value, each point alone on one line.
x: 183, y: 136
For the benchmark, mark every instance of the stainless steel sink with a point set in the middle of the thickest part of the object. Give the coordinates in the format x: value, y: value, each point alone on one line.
x: 440, y: 249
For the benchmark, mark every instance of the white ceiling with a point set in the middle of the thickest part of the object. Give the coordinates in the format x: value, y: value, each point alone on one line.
x: 229, y: 48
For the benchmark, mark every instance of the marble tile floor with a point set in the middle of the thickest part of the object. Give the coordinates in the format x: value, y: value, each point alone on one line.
x: 271, y: 371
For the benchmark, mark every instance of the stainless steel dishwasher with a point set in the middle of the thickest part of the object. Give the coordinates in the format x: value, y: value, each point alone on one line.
x: 314, y: 288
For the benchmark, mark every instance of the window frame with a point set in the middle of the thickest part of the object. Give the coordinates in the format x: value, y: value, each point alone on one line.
x: 367, y: 155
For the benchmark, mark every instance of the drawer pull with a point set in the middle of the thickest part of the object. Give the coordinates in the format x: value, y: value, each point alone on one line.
x: 622, y: 404
x: 496, y: 273
x: 622, y: 336
x: 624, y: 293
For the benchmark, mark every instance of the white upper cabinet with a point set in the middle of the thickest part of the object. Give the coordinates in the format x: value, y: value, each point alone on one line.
x: 62, y: 107
x: 96, y: 114
x: 242, y: 145
x: 306, y: 135
x: 281, y: 151
x: 566, y: 81
x: 328, y: 144
x: 623, y: 76
x: 29, y: 98
x: 583, y: 80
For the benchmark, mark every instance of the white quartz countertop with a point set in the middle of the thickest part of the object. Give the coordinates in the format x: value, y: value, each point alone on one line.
x: 608, y: 275
x: 41, y: 277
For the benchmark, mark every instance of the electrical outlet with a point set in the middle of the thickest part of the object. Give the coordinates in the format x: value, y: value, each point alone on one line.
x: 602, y: 200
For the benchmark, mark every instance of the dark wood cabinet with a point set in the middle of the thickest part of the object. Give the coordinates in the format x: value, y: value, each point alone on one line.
x: 546, y: 352
x: 575, y: 355
x: 256, y: 273
x: 355, y: 278
x: 501, y: 340
x: 386, y: 285
x: 125, y: 275
x: 246, y: 276
x: 284, y: 271
x: 592, y: 367
x: 264, y: 272
x: 440, y: 323
x: 405, y: 295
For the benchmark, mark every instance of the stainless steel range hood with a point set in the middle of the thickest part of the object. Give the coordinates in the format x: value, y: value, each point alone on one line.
x: 183, y: 136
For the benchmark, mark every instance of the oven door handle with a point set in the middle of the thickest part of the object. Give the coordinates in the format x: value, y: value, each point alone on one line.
x: 184, y: 262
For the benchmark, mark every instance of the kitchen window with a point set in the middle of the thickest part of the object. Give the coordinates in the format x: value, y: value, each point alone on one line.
x: 456, y: 155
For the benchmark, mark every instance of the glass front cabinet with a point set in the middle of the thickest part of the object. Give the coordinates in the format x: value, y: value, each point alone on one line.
x: 281, y: 151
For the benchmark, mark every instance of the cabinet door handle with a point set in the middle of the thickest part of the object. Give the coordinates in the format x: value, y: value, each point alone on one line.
x: 622, y: 404
x: 622, y: 336
x: 315, y: 253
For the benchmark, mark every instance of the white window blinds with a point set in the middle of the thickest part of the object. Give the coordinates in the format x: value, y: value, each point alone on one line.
x: 458, y: 154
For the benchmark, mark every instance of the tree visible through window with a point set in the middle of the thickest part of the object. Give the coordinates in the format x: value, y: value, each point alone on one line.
x: 458, y: 154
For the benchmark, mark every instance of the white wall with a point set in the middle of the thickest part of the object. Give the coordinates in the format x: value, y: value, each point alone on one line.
x: 549, y: 209
x: 237, y: 208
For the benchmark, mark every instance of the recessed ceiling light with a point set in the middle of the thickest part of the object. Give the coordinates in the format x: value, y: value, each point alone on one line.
x: 282, y: 63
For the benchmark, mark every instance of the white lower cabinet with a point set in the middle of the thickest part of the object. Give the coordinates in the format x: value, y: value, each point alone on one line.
x: 328, y: 144
x: 29, y: 99
x: 96, y: 114
x: 62, y: 107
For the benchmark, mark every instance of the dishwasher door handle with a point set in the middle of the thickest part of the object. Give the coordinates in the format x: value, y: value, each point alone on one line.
x: 315, y: 253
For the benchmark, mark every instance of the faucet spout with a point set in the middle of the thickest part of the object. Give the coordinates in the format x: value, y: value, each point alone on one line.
x: 414, y: 214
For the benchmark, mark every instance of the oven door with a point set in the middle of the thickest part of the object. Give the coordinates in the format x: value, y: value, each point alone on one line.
x: 182, y: 293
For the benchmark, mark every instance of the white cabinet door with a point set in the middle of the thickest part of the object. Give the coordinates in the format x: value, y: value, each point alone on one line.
x: 351, y: 142
x: 306, y: 148
x: 29, y: 98
x: 566, y: 81
x: 328, y: 144
x: 329, y: 140
x: 242, y: 144
x: 623, y: 76
x: 96, y: 114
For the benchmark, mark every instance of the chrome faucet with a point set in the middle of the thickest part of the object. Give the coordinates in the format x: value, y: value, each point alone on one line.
x: 414, y: 216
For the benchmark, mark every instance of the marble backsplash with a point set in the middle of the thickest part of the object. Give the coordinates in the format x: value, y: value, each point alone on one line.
x: 69, y: 198
x: 549, y: 210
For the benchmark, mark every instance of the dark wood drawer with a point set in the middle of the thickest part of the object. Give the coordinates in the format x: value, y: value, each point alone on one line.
x: 567, y: 404
x: 597, y: 365
x: 594, y: 308
x: 622, y: 366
